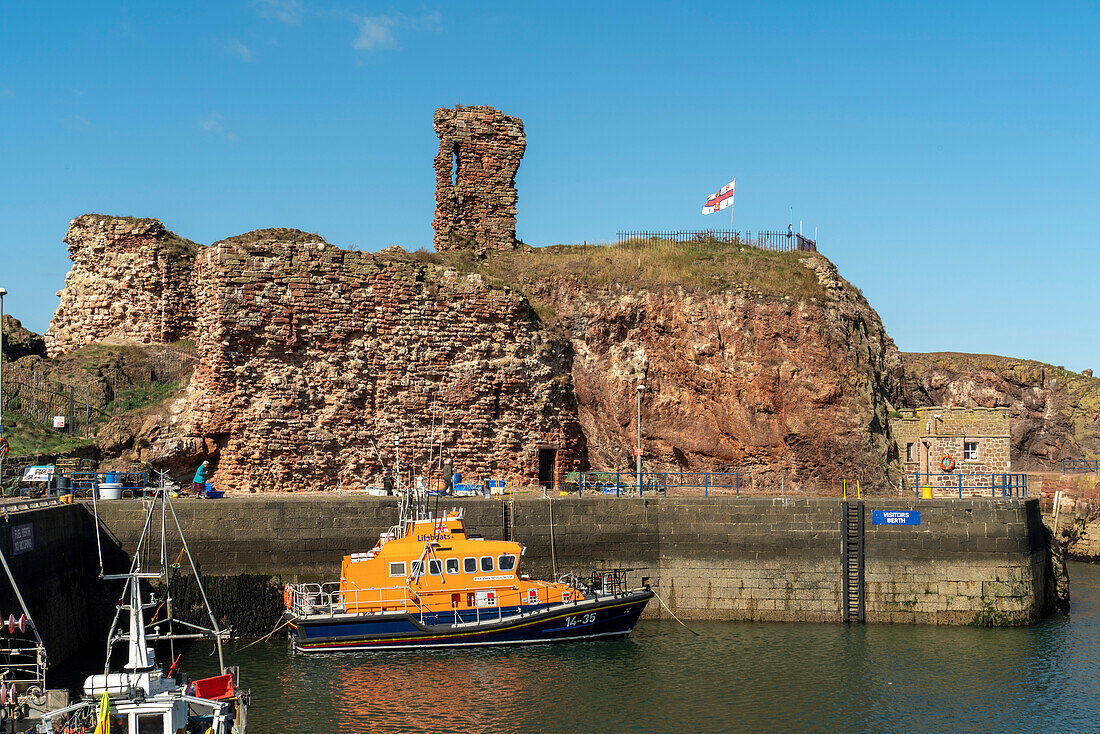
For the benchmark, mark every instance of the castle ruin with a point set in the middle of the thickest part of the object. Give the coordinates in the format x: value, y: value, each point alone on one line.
x: 475, y: 178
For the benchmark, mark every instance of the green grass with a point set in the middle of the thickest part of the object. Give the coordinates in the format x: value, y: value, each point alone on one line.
x: 654, y: 264
x: 142, y: 396
x: 31, y: 439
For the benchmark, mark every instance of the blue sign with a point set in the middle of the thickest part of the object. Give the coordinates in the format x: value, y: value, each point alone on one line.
x: 895, y: 517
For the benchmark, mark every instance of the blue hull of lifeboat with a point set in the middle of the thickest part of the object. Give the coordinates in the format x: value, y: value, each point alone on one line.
x: 581, y: 620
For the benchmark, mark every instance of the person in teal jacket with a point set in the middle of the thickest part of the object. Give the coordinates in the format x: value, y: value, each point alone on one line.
x: 198, y: 484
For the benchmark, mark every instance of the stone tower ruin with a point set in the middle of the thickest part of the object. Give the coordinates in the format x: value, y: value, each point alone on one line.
x: 475, y: 178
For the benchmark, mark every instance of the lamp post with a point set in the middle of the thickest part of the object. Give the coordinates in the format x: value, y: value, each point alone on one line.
x: 3, y: 292
x: 638, y: 449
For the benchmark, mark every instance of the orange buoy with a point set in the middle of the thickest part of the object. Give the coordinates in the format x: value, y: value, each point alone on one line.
x: 947, y: 462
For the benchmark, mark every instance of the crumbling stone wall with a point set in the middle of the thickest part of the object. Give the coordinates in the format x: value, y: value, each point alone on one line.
x: 309, y: 353
x: 131, y: 280
x: 475, y: 173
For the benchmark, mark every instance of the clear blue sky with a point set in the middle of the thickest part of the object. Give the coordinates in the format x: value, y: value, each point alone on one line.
x: 946, y: 152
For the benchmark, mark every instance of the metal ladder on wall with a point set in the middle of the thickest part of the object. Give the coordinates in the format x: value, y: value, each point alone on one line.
x: 506, y: 521
x: 852, y: 557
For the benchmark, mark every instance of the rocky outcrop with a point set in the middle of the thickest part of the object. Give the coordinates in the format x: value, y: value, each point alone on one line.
x: 130, y: 281
x: 314, y: 358
x: 1055, y: 413
x: 475, y: 178
x: 790, y: 391
x: 20, y: 342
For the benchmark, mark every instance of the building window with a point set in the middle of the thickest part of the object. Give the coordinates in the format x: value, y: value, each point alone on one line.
x: 909, y: 453
x: 970, y: 450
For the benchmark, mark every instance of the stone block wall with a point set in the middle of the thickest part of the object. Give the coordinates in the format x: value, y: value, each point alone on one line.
x: 475, y: 173
x: 131, y: 280
x: 968, y: 562
x: 989, y: 427
x: 57, y: 571
x: 309, y: 353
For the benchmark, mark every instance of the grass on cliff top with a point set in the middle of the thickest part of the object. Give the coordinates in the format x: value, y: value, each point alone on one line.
x: 1026, y: 370
x: 706, y: 266
x: 29, y: 439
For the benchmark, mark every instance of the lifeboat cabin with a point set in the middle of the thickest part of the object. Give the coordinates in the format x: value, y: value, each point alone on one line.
x: 433, y: 568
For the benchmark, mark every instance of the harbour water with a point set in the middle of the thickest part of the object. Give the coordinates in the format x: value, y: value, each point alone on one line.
x: 753, y: 677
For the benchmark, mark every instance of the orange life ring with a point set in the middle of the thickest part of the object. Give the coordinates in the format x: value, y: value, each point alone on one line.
x: 947, y: 462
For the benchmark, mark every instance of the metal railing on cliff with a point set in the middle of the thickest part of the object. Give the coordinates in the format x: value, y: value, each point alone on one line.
x: 86, y: 404
x: 764, y: 240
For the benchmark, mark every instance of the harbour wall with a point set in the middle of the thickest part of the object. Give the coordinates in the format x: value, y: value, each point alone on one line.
x: 777, y: 559
x: 51, y: 554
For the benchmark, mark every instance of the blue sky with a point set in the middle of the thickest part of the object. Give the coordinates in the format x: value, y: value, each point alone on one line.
x: 946, y: 152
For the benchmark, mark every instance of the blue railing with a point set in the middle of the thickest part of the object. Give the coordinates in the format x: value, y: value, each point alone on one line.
x: 83, y: 483
x: 1080, y: 466
x: 616, y: 483
x: 997, y: 484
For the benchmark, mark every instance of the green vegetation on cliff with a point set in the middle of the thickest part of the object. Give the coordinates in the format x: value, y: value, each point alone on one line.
x: 706, y: 266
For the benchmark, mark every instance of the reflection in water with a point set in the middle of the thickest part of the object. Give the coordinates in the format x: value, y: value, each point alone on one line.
x: 733, y: 677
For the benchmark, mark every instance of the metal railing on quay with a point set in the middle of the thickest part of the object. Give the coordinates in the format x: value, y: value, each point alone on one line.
x: 1080, y: 466
x: 618, y: 484
x: 970, y: 485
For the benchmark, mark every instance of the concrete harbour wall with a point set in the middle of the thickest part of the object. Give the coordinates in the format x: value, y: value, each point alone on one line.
x: 968, y: 562
x: 51, y: 554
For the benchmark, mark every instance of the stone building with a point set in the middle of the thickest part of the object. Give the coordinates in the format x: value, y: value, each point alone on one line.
x: 475, y: 178
x: 974, y: 442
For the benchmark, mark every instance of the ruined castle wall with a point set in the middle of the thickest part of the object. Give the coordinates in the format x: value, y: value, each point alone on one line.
x: 309, y: 353
x: 131, y: 280
x: 475, y: 172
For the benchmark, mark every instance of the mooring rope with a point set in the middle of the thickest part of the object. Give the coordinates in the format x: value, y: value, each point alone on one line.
x: 689, y: 629
x: 266, y: 637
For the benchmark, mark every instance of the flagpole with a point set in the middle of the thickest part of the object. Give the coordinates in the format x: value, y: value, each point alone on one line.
x: 733, y: 199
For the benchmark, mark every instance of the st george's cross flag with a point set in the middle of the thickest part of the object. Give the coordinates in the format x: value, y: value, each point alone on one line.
x: 721, y: 199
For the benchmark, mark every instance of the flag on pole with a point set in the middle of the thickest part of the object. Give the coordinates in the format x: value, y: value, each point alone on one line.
x: 720, y: 199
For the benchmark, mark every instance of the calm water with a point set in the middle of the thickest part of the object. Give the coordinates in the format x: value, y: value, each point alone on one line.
x: 752, y: 677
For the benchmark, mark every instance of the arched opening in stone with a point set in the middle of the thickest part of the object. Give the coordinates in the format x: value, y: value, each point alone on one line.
x: 454, y: 167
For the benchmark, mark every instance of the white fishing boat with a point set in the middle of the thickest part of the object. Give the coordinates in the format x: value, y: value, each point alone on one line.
x: 147, y: 696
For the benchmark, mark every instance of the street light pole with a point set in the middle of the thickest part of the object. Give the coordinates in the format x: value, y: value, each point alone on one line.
x: 638, y: 450
x: 3, y: 292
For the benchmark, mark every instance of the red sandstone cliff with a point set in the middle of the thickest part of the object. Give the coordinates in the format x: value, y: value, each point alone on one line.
x: 789, y: 389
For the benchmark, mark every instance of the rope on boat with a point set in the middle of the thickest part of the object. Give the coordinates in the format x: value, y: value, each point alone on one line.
x: 689, y: 629
x: 266, y: 637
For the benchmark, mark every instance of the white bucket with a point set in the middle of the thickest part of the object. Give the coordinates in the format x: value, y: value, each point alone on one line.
x: 110, y: 490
